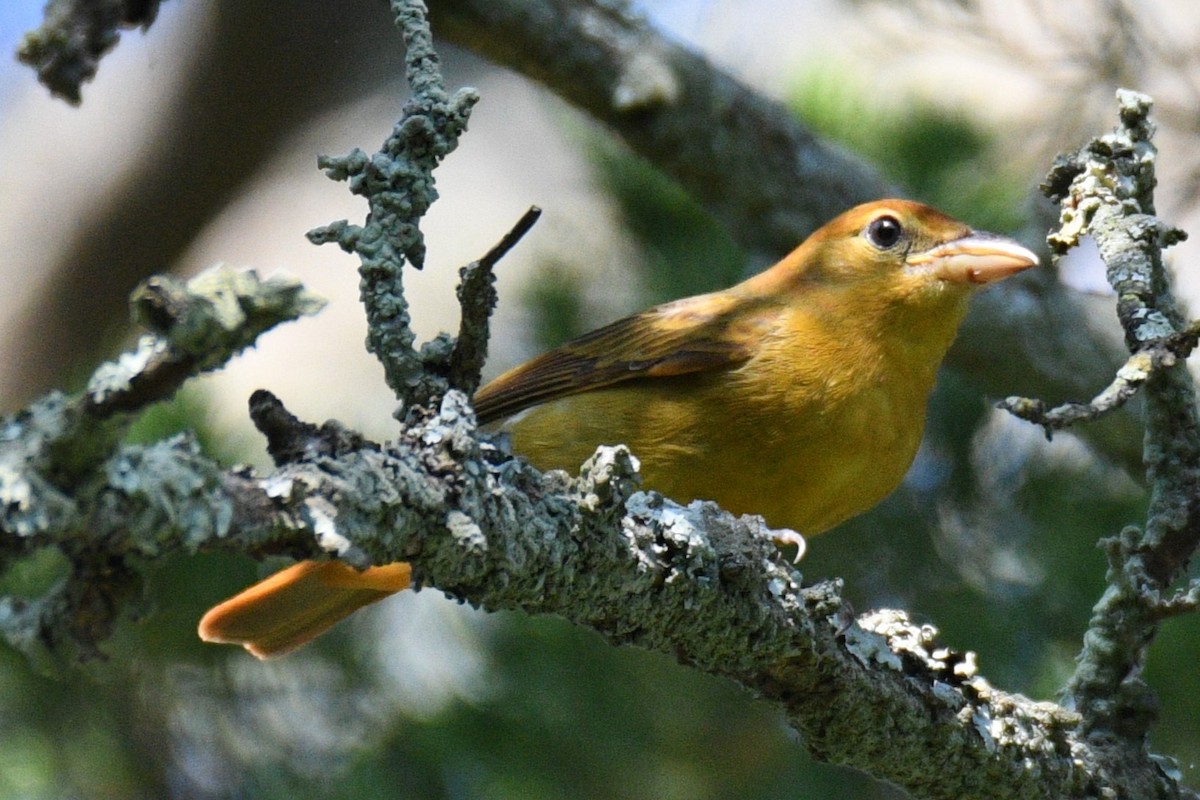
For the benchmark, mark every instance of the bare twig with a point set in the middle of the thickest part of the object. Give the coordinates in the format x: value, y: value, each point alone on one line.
x: 290, y: 439
x: 477, y: 299
x: 1130, y: 378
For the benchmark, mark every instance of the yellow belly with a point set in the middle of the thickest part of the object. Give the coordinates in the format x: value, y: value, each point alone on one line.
x: 804, y: 464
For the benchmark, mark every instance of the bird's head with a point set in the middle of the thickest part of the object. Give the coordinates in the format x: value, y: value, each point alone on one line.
x: 903, y: 251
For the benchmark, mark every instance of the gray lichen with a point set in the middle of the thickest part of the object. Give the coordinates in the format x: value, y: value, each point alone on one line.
x: 399, y: 186
x: 220, y: 312
x: 66, y: 482
x: 68, y: 46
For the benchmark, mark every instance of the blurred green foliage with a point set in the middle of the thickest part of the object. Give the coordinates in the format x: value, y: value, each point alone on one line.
x: 559, y: 312
x: 942, y: 157
x: 684, y: 251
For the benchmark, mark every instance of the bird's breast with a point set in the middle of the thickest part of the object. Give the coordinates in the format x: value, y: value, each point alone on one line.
x: 806, y: 450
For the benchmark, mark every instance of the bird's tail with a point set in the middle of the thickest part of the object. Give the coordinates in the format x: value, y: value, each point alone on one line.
x: 279, y: 614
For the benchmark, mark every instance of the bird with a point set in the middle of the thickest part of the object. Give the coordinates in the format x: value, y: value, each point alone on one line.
x: 798, y: 395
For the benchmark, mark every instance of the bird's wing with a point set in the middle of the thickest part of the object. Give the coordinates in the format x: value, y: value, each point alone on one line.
x: 691, y: 335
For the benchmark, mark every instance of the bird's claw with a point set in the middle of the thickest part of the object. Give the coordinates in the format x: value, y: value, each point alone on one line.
x: 786, y: 538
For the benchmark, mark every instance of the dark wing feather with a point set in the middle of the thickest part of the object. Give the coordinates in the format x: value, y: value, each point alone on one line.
x: 692, y: 335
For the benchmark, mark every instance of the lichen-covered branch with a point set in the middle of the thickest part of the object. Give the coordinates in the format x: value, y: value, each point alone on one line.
x: 398, y: 183
x: 1146, y: 359
x: 197, y: 326
x: 876, y: 692
x: 67, y: 48
x: 477, y: 298
x: 1106, y: 191
x: 66, y: 484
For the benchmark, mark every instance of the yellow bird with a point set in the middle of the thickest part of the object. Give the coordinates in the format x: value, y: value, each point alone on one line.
x: 798, y: 394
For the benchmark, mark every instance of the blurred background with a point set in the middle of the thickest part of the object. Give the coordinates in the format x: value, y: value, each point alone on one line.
x: 197, y: 144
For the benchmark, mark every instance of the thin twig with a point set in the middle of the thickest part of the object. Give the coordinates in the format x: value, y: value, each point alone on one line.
x: 1130, y: 378
x: 477, y: 299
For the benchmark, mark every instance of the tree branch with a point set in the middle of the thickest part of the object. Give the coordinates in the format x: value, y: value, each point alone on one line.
x: 477, y: 298
x: 65, y: 483
x: 1130, y: 378
x: 398, y: 183
x: 740, y: 154
x: 1106, y: 191
x: 67, y: 48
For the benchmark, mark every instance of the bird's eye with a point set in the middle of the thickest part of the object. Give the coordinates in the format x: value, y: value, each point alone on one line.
x: 884, y: 232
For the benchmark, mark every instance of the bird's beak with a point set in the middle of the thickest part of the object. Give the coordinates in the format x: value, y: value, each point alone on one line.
x: 976, y: 258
